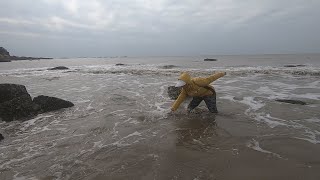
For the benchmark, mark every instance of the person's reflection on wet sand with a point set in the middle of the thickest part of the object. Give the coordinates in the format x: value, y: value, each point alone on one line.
x: 194, y: 131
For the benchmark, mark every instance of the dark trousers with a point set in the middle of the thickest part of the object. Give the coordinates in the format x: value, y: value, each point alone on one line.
x: 209, y: 100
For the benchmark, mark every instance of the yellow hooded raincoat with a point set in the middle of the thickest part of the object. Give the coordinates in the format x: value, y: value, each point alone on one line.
x: 195, y: 87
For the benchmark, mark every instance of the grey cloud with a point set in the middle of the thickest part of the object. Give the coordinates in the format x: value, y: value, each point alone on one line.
x: 163, y: 27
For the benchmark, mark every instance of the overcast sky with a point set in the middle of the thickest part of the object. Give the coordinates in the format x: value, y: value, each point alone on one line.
x: 74, y: 28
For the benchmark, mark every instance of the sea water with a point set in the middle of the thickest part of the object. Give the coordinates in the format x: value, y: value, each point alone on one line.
x: 121, y: 126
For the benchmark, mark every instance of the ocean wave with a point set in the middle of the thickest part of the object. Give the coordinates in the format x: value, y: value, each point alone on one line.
x: 152, y: 69
x: 237, y: 71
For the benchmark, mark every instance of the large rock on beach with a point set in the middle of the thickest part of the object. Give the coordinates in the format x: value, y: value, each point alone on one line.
x: 10, y: 91
x: 174, y: 92
x: 59, y: 68
x: 17, y: 104
x: 46, y: 103
x: 20, y: 107
x: 291, y: 101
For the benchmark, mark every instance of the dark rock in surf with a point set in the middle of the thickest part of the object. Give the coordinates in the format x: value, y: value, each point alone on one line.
x: 20, y: 107
x: 174, y: 92
x: 290, y: 101
x: 120, y: 64
x: 168, y: 66
x: 59, y: 68
x: 299, y: 65
x: 289, y: 66
x: 17, y: 104
x: 1, y: 137
x: 46, y: 103
x: 210, y: 59
x: 10, y: 91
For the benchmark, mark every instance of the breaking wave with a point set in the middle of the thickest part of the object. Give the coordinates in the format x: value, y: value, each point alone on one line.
x: 152, y: 69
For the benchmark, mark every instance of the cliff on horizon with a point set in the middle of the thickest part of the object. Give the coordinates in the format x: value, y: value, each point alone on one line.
x: 6, y: 57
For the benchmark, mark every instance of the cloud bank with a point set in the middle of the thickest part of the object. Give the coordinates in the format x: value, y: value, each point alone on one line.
x: 162, y: 27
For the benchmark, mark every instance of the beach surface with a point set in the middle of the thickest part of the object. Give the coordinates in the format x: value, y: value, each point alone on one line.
x: 121, y: 126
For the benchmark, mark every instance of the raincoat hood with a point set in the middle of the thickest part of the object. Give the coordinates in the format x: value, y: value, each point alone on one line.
x: 185, y: 77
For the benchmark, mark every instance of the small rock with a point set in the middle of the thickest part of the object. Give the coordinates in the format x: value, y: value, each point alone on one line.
x: 1, y: 137
x: 58, y: 68
x: 299, y: 65
x: 168, y: 66
x: 210, y: 59
x: 120, y: 64
x: 289, y: 66
x: 46, y: 103
x: 290, y: 101
x: 174, y: 92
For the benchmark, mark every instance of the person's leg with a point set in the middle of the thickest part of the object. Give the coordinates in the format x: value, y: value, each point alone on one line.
x: 194, y: 103
x: 211, y: 103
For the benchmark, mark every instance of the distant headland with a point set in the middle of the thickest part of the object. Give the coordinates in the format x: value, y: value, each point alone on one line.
x: 6, y: 57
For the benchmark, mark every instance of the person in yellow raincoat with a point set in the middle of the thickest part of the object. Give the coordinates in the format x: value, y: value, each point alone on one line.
x: 200, y: 89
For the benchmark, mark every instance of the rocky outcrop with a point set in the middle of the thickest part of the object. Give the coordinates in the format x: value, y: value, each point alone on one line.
x: 4, y: 52
x: 210, y: 59
x: 17, y: 104
x: 120, y: 64
x: 6, y: 57
x: 46, y: 103
x: 290, y: 101
x: 1, y: 137
x: 173, y: 92
x: 59, y: 68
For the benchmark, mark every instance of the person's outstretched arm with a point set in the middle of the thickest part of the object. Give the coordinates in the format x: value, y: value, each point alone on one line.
x: 206, y: 81
x: 182, y: 96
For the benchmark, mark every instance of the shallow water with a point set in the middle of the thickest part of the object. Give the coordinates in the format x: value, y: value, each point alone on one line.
x: 121, y: 128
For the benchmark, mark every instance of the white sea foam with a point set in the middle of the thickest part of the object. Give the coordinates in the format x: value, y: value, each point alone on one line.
x: 89, y: 107
x: 31, y: 122
x: 311, y: 136
x: 254, y: 105
x: 253, y: 144
x: 154, y: 69
x: 121, y: 142
x: 313, y: 120
x: 270, y: 121
x: 227, y: 97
